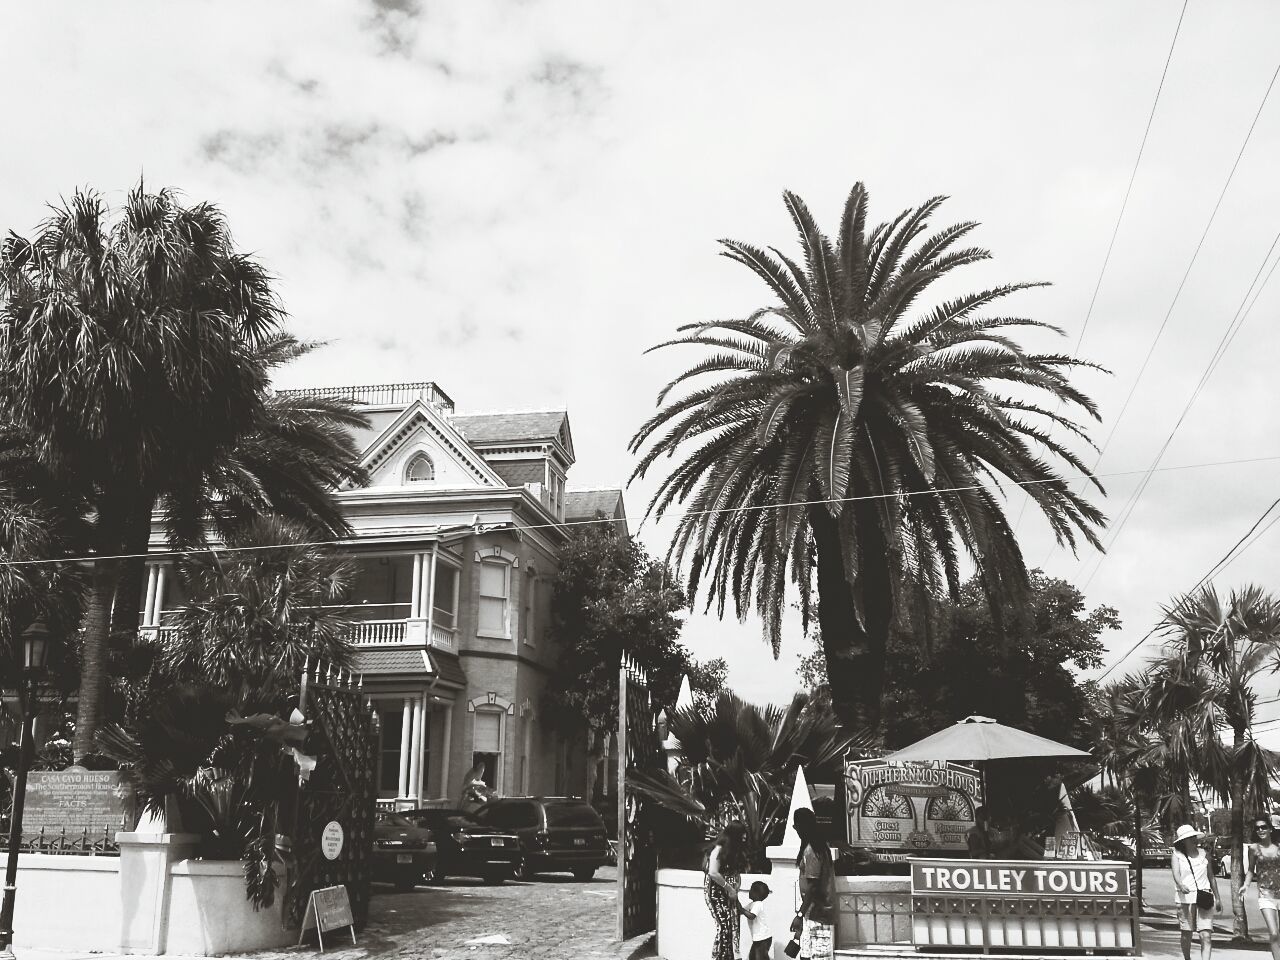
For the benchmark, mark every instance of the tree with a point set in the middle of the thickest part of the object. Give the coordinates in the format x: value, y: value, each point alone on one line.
x: 707, y: 681
x: 967, y: 667
x: 1202, y: 690
x: 610, y: 597
x: 135, y: 351
x: 856, y: 443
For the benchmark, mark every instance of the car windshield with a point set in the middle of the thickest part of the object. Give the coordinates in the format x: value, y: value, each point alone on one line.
x: 571, y: 815
x: 393, y: 820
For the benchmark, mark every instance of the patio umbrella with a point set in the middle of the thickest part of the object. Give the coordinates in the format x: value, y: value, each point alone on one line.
x: 981, y: 738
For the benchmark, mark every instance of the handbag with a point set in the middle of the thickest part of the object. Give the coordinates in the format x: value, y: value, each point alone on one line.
x: 1204, y: 898
x: 792, y: 949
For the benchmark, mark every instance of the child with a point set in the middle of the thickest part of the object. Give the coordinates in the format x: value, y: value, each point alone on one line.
x: 757, y: 926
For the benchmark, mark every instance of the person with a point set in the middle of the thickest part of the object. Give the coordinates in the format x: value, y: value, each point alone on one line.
x: 1264, y: 870
x: 816, y: 915
x: 1192, y: 874
x: 979, y: 835
x: 725, y: 863
x: 757, y: 925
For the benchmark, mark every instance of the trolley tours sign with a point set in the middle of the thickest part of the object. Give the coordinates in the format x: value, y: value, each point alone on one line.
x: 1019, y: 878
x: 910, y: 806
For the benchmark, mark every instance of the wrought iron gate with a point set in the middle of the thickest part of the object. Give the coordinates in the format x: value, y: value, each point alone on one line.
x: 343, y: 739
x: 638, y: 748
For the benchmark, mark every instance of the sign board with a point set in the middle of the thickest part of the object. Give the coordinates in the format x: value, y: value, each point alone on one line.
x: 910, y: 806
x: 328, y: 909
x: 331, y: 840
x: 76, y: 799
x: 1012, y: 878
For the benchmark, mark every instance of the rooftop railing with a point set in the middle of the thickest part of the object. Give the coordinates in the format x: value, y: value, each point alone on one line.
x: 382, y: 394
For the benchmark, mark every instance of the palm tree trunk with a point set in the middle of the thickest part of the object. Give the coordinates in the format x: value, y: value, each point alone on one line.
x: 1241, y: 924
x: 855, y: 652
x: 93, y: 655
x: 1138, y: 848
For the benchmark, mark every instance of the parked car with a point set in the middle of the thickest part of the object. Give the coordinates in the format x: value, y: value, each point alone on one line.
x: 465, y: 848
x: 557, y: 834
x: 403, y: 853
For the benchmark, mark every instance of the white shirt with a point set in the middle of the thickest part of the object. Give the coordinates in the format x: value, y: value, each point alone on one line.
x: 757, y: 926
x: 1190, y: 875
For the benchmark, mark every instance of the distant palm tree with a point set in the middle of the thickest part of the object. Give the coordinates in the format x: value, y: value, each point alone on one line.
x: 855, y: 433
x: 1204, y: 687
x: 135, y: 350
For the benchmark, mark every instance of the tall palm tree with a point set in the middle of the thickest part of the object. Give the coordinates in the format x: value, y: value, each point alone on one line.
x: 1216, y: 653
x: 136, y: 348
x: 854, y: 432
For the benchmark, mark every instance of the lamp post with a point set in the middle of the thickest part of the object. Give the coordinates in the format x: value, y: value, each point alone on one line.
x: 35, y: 649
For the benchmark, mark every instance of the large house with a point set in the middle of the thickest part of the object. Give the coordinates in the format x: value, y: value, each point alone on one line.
x: 456, y: 539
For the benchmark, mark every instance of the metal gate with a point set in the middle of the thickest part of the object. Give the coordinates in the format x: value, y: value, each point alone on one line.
x: 343, y: 739
x: 638, y: 748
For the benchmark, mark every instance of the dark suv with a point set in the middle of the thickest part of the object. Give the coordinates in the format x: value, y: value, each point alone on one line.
x: 557, y: 834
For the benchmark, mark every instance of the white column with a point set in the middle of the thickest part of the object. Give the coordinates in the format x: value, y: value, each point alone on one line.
x: 528, y: 752
x: 149, y: 606
x: 444, y: 750
x: 415, y: 752
x: 430, y: 591
x: 161, y: 573
x: 406, y: 732
x: 415, y: 598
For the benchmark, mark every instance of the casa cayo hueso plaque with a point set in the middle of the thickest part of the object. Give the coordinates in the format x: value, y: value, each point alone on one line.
x: 1023, y: 905
x: 76, y: 807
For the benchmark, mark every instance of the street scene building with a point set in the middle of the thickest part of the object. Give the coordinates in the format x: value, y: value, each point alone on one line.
x: 455, y: 543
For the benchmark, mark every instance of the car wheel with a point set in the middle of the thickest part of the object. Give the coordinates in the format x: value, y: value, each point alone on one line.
x: 495, y: 878
x: 437, y: 875
x: 523, y: 871
x: 583, y: 873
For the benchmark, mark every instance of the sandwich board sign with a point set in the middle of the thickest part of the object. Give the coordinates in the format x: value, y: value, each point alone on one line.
x: 328, y: 909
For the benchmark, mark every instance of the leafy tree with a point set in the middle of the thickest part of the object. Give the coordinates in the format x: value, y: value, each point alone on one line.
x: 857, y: 442
x: 969, y: 667
x: 610, y: 597
x: 707, y: 681
x: 135, y: 351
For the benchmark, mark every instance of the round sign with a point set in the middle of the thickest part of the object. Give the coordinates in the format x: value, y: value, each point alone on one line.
x: 331, y: 840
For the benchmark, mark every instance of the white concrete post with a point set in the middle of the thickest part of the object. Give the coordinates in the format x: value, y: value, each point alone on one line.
x: 145, y: 881
x: 406, y: 733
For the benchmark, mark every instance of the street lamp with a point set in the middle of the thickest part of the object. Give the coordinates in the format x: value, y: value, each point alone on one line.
x: 35, y: 651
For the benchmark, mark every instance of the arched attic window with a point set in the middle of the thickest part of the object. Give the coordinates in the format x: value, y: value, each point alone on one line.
x: 420, y: 469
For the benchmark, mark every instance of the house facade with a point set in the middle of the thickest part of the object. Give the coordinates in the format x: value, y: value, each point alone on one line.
x: 456, y: 543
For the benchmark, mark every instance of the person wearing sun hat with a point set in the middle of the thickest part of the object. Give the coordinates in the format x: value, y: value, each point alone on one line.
x: 1193, y: 877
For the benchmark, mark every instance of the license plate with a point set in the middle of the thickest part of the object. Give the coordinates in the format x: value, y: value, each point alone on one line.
x: 579, y: 841
x: 404, y: 858
x: 496, y: 842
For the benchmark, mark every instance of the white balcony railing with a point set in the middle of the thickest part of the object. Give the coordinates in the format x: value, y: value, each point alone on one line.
x: 369, y: 632
x: 442, y: 638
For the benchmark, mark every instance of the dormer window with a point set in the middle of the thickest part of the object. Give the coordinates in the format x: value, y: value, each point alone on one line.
x: 420, y: 470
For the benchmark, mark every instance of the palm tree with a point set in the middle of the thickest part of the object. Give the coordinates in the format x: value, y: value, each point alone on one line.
x: 136, y: 349
x: 1216, y: 654
x: 253, y: 618
x: 853, y: 432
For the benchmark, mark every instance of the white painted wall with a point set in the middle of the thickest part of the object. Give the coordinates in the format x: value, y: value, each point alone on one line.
x: 209, y: 915
x: 67, y: 902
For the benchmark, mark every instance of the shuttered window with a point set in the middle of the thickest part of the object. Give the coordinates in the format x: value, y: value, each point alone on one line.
x: 488, y: 732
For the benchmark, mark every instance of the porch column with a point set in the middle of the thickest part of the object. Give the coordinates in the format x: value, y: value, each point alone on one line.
x: 528, y: 752
x: 415, y: 753
x: 415, y: 596
x: 405, y: 732
x: 444, y: 751
x: 161, y: 572
x: 149, y: 606
x: 430, y: 591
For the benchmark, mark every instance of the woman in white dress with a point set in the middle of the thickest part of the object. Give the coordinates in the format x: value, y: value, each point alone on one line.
x: 1264, y: 870
x: 1193, y: 875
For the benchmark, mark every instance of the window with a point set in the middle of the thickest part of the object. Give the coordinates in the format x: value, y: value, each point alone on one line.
x: 495, y: 590
x: 381, y: 588
x: 486, y: 745
x: 389, y: 752
x: 444, y: 597
x: 420, y: 469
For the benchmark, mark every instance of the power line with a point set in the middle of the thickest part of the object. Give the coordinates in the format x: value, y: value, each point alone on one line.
x: 1124, y: 205
x: 198, y: 551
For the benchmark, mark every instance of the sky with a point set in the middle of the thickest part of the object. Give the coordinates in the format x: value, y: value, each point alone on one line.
x: 515, y: 198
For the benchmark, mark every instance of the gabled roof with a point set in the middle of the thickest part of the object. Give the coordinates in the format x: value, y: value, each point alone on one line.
x: 520, y: 426
x: 398, y: 428
x: 580, y: 505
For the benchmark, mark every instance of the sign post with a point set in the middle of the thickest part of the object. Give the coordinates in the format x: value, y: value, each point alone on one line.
x: 328, y: 908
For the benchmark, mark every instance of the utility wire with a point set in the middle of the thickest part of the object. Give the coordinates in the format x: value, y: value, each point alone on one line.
x: 1124, y: 205
x: 196, y: 551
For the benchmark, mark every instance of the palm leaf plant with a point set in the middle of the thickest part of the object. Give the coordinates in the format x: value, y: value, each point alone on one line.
x: 135, y: 350
x: 849, y: 437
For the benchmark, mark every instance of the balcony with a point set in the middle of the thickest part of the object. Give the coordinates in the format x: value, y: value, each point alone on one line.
x: 382, y: 633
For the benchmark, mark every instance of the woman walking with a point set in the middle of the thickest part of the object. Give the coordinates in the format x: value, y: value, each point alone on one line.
x: 1195, y: 889
x: 817, y: 911
x: 725, y: 863
x: 1264, y: 870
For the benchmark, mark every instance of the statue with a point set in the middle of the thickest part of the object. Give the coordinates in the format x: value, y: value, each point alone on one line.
x: 475, y: 792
